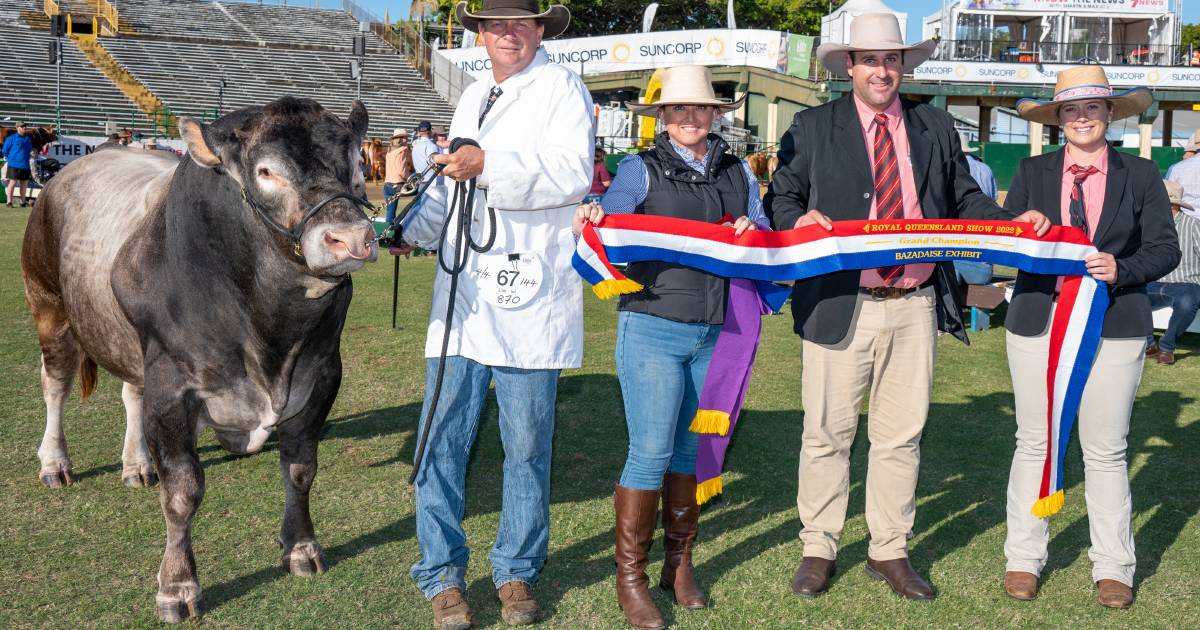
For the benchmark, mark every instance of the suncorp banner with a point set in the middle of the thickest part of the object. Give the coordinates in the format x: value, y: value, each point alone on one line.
x: 1028, y: 73
x: 1106, y: 6
x: 642, y: 51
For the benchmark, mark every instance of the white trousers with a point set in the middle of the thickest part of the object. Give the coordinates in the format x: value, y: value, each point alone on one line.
x: 1103, y: 426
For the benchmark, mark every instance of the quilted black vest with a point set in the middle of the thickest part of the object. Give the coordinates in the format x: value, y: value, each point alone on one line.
x: 673, y: 291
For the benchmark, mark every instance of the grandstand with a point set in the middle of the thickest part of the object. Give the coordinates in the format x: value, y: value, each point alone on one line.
x: 27, y: 87
x: 181, y: 50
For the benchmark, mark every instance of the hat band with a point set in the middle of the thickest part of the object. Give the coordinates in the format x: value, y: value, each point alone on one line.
x: 1083, y: 91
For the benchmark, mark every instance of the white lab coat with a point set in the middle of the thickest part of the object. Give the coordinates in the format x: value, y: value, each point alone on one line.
x: 538, y: 140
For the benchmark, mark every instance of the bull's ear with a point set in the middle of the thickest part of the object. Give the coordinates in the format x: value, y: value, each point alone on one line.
x: 358, y: 120
x: 192, y: 132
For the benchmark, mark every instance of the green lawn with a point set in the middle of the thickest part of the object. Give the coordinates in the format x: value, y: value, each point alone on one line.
x: 86, y: 556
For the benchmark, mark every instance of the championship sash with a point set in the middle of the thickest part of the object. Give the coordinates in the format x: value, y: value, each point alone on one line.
x: 812, y: 251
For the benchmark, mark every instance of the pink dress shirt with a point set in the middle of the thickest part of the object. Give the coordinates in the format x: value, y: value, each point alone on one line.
x: 917, y: 273
x: 1093, y: 189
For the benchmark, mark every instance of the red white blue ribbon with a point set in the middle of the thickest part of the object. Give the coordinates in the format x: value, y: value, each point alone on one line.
x: 813, y: 251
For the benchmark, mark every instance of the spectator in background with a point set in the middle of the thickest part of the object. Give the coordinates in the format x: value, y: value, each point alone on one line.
x: 970, y: 272
x: 114, y: 140
x: 1186, y: 173
x: 126, y: 136
x: 398, y: 167
x: 423, y: 149
x: 138, y: 143
x: 18, y: 148
x: 1179, y: 289
x: 601, y: 178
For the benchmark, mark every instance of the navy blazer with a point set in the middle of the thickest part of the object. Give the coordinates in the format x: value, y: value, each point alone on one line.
x: 1135, y: 226
x: 823, y: 165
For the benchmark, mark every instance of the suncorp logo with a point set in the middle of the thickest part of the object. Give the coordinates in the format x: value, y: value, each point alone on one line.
x: 621, y: 53
x: 998, y: 73
x: 578, y: 56
x: 475, y: 65
x: 751, y: 48
x: 934, y: 71
x: 672, y: 48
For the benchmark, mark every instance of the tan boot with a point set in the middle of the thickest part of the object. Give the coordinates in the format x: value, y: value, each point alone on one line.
x: 635, y: 532
x: 451, y: 611
x: 1114, y: 594
x: 517, y: 605
x: 1021, y: 585
x: 681, y: 521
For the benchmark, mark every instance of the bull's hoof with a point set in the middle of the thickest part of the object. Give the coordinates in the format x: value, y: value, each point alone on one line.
x: 183, y: 603
x: 57, y: 475
x: 138, y: 475
x: 304, y: 559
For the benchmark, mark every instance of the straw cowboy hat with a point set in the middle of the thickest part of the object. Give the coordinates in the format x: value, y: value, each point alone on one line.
x: 686, y: 85
x: 1175, y: 193
x: 1193, y: 143
x: 555, y: 19
x: 966, y: 148
x: 1084, y: 83
x: 874, y: 31
x: 399, y: 133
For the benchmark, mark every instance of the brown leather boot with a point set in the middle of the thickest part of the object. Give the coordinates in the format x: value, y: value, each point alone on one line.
x: 635, y: 532
x: 451, y: 611
x: 1021, y: 585
x: 1114, y: 594
x: 903, y: 579
x: 681, y: 521
x: 812, y: 576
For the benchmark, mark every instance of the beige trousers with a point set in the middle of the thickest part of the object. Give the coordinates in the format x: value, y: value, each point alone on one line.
x: 890, y: 348
x: 1103, y: 425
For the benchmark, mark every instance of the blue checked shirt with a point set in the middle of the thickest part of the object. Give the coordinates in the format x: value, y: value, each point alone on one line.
x: 982, y: 174
x: 631, y: 183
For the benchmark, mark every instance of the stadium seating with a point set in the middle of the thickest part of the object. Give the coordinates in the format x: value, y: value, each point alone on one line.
x: 186, y: 75
x: 27, y: 86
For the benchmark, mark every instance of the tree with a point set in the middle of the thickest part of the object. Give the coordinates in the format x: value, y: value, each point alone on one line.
x: 1190, y: 37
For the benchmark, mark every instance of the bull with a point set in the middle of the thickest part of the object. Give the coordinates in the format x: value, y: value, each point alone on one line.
x: 215, y: 287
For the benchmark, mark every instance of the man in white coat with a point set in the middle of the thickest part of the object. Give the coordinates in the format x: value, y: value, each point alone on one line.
x: 518, y: 315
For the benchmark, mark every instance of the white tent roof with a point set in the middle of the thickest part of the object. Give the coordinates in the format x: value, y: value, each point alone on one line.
x: 863, y: 6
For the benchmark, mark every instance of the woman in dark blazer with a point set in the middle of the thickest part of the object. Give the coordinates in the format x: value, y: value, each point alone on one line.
x: 1120, y: 201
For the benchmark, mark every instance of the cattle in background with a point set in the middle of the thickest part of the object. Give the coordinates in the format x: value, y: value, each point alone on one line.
x: 40, y: 136
x: 375, y: 157
x: 180, y: 278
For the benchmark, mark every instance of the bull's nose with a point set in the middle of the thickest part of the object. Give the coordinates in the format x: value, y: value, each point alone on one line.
x: 356, y: 243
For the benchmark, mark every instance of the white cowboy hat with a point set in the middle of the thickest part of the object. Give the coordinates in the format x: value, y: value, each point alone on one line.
x: 1193, y: 143
x: 966, y: 148
x: 555, y: 19
x: 1175, y: 193
x: 686, y: 85
x: 874, y: 31
x: 1084, y: 83
x: 399, y: 133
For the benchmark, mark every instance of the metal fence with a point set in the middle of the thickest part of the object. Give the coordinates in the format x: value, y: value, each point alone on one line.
x: 1065, y: 52
x: 84, y: 121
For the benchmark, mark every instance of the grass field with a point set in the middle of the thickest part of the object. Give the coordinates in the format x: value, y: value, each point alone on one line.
x: 86, y: 556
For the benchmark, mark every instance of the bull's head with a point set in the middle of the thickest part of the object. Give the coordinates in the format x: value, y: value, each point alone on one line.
x: 288, y: 157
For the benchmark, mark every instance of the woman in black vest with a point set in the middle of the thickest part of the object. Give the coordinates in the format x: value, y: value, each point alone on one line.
x: 667, y: 331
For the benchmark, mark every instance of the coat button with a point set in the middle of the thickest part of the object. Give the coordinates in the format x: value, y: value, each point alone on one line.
x: 866, y: 195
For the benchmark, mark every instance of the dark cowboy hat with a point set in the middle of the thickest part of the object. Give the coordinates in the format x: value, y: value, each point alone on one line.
x: 555, y: 19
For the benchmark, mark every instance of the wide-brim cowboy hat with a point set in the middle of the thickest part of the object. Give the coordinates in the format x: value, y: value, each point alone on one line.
x: 399, y: 133
x: 1193, y: 143
x: 1084, y: 83
x: 1175, y: 194
x: 874, y: 31
x: 554, y: 20
x: 966, y: 148
x: 686, y: 85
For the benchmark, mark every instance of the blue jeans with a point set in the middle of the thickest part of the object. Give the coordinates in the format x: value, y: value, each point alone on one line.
x: 390, y: 189
x: 526, y: 399
x: 661, y: 365
x: 1184, y: 300
x: 973, y: 272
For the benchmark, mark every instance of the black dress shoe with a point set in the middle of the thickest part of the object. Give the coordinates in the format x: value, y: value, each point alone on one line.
x: 900, y: 575
x: 812, y: 576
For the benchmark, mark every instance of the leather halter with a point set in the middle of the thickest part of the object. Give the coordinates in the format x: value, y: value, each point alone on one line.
x: 295, y: 234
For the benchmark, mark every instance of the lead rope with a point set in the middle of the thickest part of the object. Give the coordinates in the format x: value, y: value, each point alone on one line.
x: 461, y: 207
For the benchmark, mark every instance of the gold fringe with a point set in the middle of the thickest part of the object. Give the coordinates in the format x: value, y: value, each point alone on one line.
x: 710, y: 421
x: 1047, y: 506
x: 706, y: 490
x: 608, y: 289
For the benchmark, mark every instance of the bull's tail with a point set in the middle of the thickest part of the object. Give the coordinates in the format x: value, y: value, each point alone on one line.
x: 87, y: 376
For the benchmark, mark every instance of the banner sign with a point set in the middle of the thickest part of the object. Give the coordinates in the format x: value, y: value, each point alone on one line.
x: 644, y: 51
x: 812, y: 251
x: 799, y: 55
x: 1057, y: 6
x: 1028, y: 73
x: 67, y: 149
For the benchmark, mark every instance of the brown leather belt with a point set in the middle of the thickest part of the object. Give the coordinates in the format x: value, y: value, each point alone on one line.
x: 891, y: 293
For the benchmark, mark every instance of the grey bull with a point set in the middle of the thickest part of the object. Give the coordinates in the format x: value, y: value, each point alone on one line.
x: 215, y: 287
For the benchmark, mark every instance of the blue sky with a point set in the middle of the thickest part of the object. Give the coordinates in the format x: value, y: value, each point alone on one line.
x: 916, y: 10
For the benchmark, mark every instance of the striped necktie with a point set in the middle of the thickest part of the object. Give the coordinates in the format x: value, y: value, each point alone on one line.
x: 889, y: 199
x: 491, y: 100
x: 1078, y: 213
